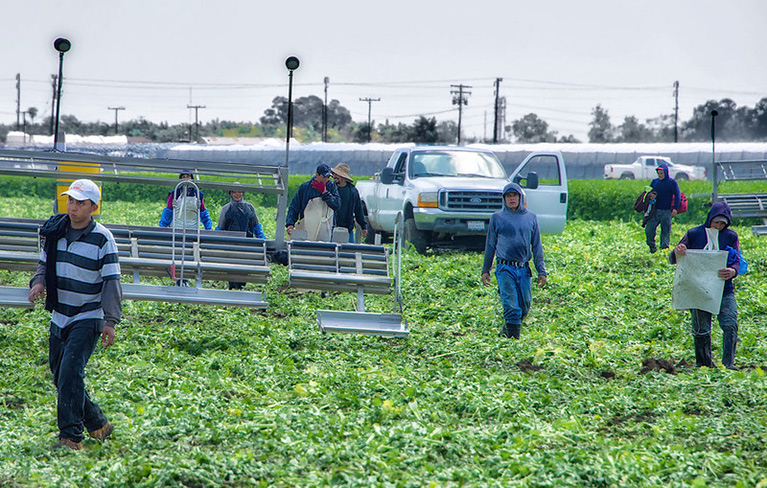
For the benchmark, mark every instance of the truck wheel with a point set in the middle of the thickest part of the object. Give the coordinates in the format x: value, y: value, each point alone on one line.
x: 681, y: 177
x: 415, y: 237
x: 627, y: 176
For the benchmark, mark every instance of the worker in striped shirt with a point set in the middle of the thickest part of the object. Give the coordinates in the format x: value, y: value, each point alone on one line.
x: 79, y: 276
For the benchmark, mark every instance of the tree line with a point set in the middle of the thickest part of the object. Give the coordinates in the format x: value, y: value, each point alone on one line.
x: 733, y: 124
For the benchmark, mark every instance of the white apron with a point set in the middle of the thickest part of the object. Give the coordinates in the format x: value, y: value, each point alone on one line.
x: 317, y: 221
x: 186, y: 211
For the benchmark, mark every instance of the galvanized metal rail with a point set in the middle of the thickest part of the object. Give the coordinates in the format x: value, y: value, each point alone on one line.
x: 148, y: 251
x: 743, y: 205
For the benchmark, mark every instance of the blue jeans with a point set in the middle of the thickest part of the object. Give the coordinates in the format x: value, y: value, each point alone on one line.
x: 728, y: 322
x: 68, y: 352
x: 662, y: 217
x: 515, y: 290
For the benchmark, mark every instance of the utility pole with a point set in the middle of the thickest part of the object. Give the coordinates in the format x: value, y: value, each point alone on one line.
x: 497, y: 99
x: 18, y: 98
x: 54, y: 82
x: 24, y: 117
x: 196, y: 123
x: 676, y: 109
x: 460, y: 99
x: 325, y: 113
x: 370, y: 107
x: 502, y: 119
x: 116, y: 109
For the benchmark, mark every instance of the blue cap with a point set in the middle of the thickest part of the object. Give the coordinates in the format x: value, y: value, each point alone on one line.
x: 324, y: 170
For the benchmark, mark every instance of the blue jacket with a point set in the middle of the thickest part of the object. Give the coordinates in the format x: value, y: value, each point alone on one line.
x: 514, y: 235
x: 696, y: 238
x: 306, y: 193
x: 667, y: 189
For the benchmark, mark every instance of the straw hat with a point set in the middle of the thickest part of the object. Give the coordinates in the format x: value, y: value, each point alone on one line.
x: 343, y: 170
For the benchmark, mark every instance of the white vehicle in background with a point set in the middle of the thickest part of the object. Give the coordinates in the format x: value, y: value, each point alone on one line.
x: 447, y: 194
x: 644, y: 169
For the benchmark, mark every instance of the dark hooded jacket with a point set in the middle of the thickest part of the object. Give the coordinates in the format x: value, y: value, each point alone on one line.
x: 696, y: 238
x: 305, y: 193
x: 667, y: 189
x: 514, y: 235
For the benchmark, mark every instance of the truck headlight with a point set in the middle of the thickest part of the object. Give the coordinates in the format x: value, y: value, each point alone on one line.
x: 429, y: 199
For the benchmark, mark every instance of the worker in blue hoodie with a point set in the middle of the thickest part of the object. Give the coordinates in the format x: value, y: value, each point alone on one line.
x: 666, y: 206
x: 513, y: 238
x: 718, y: 223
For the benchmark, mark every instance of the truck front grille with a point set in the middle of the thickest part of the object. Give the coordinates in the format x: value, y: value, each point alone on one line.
x: 471, y: 201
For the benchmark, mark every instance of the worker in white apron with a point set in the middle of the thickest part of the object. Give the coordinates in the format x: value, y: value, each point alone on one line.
x: 185, y: 207
x: 312, y: 208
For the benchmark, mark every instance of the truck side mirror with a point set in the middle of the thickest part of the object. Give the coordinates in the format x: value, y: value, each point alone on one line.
x: 532, y: 180
x: 387, y: 176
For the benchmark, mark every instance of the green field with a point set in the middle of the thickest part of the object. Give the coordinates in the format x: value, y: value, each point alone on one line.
x: 207, y: 396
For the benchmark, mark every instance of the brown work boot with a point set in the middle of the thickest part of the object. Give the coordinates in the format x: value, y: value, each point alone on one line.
x: 69, y: 444
x: 102, y: 433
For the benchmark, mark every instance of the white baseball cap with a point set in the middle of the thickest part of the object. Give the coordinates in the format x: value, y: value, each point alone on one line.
x: 84, y: 190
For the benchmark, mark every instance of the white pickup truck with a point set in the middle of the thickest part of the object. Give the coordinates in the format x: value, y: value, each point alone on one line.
x: 644, y: 169
x: 447, y: 194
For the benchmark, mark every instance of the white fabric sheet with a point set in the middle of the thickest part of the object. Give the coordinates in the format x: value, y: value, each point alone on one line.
x: 696, y: 281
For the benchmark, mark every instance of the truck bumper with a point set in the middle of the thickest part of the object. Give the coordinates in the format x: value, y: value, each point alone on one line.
x: 454, y: 223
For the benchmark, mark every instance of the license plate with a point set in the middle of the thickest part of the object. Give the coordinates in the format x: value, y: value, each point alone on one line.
x: 476, y: 225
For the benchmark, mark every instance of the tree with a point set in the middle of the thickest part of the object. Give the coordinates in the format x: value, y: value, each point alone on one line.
x: 661, y: 128
x: 760, y: 119
x: 424, y: 130
x: 446, y: 131
x: 532, y: 129
x: 601, y: 130
x: 32, y: 111
x: 338, y: 115
x: 698, y: 128
x: 307, y: 112
x: 631, y: 130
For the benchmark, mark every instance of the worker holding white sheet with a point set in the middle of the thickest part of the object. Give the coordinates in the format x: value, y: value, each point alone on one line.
x: 697, y: 283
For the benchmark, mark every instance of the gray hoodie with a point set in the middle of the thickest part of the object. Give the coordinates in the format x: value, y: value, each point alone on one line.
x: 514, y: 235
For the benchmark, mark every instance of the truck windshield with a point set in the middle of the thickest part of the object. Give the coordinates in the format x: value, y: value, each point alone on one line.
x: 455, y: 163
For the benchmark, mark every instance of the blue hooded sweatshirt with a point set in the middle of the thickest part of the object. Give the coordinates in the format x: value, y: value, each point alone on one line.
x: 514, y: 235
x: 696, y: 238
x: 667, y: 189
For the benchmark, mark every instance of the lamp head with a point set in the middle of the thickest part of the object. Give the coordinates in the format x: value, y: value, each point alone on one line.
x: 714, y: 113
x: 62, y: 45
x: 292, y: 63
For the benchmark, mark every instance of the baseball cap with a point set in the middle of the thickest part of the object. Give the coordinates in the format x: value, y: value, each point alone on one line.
x: 324, y: 170
x: 721, y: 218
x: 84, y: 190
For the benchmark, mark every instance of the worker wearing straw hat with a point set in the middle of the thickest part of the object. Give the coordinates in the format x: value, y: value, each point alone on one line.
x: 351, y: 205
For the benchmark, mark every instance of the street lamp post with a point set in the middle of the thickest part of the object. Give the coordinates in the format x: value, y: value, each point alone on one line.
x: 292, y: 64
x: 62, y: 45
x: 715, y: 191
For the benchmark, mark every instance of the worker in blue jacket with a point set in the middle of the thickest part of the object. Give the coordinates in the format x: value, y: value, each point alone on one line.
x: 718, y: 220
x: 666, y: 206
x: 514, y: 238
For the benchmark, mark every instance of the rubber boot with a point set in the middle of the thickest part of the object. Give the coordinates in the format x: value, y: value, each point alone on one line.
x: 505, y: 332
x: 703, y: 351
x: 513, y: 330
x: 729, y: 344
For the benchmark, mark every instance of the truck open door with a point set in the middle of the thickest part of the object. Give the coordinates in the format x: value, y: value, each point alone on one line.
x: 543, y: 177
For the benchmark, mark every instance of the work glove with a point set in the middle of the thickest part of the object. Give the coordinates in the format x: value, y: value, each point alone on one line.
x: 319, y: 186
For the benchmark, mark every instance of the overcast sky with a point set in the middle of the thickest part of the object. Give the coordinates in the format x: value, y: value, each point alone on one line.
x: 557, y: 58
